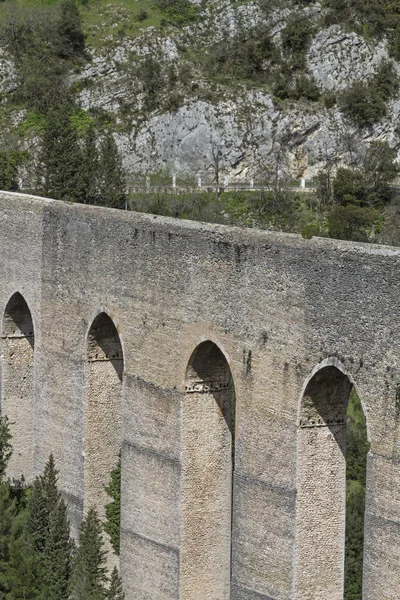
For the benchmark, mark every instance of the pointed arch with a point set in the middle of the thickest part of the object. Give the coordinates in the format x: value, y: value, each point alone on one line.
x: 321, y: 484
x: 208, y: 423
x: 17, y: 385
x: 103, y: 410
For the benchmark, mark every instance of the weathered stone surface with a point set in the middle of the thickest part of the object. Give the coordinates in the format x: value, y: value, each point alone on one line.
x: 8, y: 73
x: 337, y: 58
x: 280, y: 309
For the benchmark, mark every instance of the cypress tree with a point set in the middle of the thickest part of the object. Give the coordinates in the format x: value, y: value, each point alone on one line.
x: 43, y: 501
x: 112, y: 186
x: 24, y: 576
x: 58, y: 554
x: 38, y: 517
x: 60, y: 175
x: 90, y: 167
x: 72, y: 39
x: 49, y: 534
x: 115, y: 592
x: 113, y: 509
x: 88, y: 571
x: 49, y: 481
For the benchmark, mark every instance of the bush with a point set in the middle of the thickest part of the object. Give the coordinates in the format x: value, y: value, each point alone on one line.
x: 306, y: 87
x: 363, y: 104
x: 179, y: 12
x: 351, y: 222
x: 329, y: 99
x: 143, y: 15
x: 303, y: 87
x: 9, y: 163
x: 295, y: 39
x: 70, y: 34
x: 243, y: 56
x: 349, y: 187
x: 386, y: 81
x: 43, y: 42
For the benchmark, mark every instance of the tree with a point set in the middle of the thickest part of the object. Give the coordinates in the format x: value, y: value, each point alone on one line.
x: 48, y: 533
x: 90, y: 167
x: 351, y: 222
x: 71, y: 36
x: 380, y: 169
x: 363, y: 104
x: 58, y: 554
x: 24, y: 575
x: 88, y: 570
x: 357, y: 447
x: 60, y: 174
x: 42, y: 503
x: 349, y: 187
x: 112, y: 525
x: 8, y: 512
x: 115, y: 591
x: 112, y: 187
x: 5, y: 445
x: 38, y: 517
x: 8, y: 171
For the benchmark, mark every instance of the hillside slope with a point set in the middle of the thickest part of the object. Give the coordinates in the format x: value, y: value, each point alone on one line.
x: 251, y: 86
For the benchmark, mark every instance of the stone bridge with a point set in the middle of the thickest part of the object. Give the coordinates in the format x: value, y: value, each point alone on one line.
x: 220, y: 360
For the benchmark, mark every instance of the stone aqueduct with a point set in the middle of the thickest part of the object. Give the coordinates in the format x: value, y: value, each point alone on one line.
x: 220, y: 360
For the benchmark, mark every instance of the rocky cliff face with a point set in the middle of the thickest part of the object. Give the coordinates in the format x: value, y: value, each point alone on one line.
x: 181, y: 130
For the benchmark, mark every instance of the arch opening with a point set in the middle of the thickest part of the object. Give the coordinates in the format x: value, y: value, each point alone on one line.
x: 17, y: 389
x: 103, y: 410
x: 208, y: 424
x: 328, y: 528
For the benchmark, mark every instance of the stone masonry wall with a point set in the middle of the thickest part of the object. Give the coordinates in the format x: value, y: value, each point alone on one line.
x: 277, y: 307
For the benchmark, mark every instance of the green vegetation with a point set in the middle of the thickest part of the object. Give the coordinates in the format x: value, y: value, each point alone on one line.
x: 366, y: 102
x: 178, y: 12
x: 360, y: 196
x: 355, y: 204
x: 356, y: 462
x: 113, y: 510
x: 78, y: 160
x: 89, y: 576
x: 38, y: 559
x: 373, y: 19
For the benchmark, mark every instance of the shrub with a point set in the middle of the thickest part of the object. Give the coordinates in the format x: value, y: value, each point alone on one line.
x: 306, y: 87
x: 9, y: 163
x: 349, y: 187
x: 179, y: 12
x: 295, y: 39
x: 363, y: 104
x: 386, y: 81
x: 245, y: 55
x: 143, y: 15
x: 351, y: 222
x: 70, y: 34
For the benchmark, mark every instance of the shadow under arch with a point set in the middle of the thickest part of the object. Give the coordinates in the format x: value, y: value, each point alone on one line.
x: 104, y: 368
x: 321, y: 483
x: 17, y: 385
x: 208, y: 419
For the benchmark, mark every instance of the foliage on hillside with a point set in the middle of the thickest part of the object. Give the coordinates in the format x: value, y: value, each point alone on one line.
x: 75, y: 156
